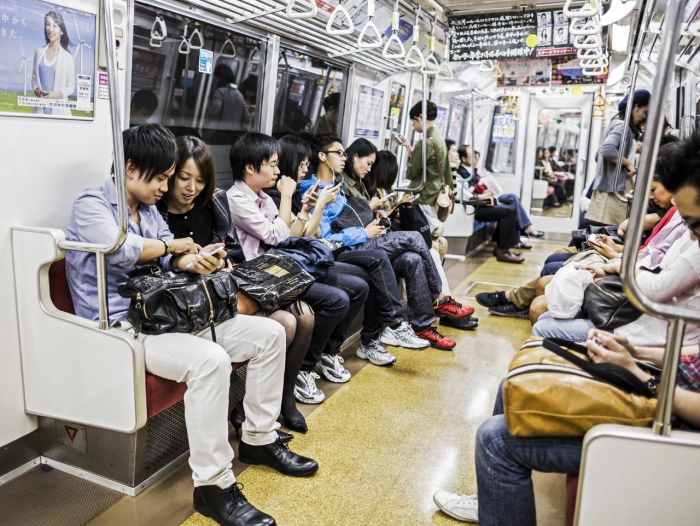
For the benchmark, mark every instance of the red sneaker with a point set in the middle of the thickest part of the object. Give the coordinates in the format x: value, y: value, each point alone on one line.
x: 436, y: 339
x: 449, y: 308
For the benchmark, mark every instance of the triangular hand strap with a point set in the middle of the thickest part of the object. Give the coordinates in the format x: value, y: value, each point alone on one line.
x: 304, y: 14
x: 589, y: 42
x: 414, y: 58
x: 431, y: 66
x: 394, y: 38
x: 589, y: 28
x: 340, y: 11
x: 374, y: 42
x: 588, y: 9
x: 184, y: 48
x: 158, y: 30
x: 445, y: 72
x: 196, y: 39
x: 228, y: 49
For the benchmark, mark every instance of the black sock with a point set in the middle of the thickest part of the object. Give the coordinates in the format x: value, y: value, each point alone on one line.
x: 395, y: 326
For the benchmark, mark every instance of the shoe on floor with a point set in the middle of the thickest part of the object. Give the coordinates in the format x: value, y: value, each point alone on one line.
x: 463, y: 324
x: 375, y: 353
x: 403, y: 336
x: 305, y: 389
x: 449, y: 308
x: 278, y: 456
x: 509, y: 310
x: 491, y: 299
x: 506, y: 256
x: 436, y: 339
x: 536, y: 233
x: 229, y: 507
x: 522, y: 246
x: 332, y: 368
x: 461, y: 507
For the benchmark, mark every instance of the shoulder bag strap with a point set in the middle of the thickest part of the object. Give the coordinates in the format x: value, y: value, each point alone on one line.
x: 437, y: 160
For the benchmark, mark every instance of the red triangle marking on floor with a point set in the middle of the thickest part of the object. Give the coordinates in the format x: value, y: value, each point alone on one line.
x: 72, y: 432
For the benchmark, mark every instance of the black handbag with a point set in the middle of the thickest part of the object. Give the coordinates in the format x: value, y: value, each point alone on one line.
x: 580, y: 237
x: 410, y: 218
x: 606, y: 305
x: 176, y: 301
x: 273, y: 280
x: 357, y: 212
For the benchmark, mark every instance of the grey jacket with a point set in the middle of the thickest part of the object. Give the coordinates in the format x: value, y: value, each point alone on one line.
x: 607, y: 155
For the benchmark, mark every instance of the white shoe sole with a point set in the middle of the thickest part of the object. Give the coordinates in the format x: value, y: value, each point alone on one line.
x: 398, y: 343
x: 363, y: 356
x: 334, y: 379
x: 309, y: 401
x: 447, y: 512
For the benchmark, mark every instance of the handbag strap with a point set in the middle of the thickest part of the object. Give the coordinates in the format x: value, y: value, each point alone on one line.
x: 437, y: 160
x: 613, y: 374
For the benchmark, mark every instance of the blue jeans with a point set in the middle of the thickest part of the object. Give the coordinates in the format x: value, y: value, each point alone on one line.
x: 521, y: 217
x: 554, y: 262
x: 504, y: 465
x: 383, y: 307
x: 575, y: 330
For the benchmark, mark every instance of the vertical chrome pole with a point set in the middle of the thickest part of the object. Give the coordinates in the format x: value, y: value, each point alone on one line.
x: 102, y: 306
x: 667, y: 385
x: 424, y: 142
x: 473, y: 126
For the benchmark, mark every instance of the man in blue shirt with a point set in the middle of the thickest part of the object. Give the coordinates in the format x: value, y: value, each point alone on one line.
x: 150, y: 155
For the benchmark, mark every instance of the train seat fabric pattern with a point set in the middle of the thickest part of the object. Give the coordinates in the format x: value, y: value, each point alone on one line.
x: 161, y: 394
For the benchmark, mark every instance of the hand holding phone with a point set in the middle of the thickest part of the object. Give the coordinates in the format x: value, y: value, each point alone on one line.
x: 593, y: 240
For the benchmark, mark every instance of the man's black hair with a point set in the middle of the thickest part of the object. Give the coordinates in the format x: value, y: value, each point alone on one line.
x: 417, y: 110
x: 462, y: 151
x: 332, y: 101
x: 254, y: 149
x: 552, y: 149
x: 320, y: 144
x: 150, y: 148
x: 145, y: 98
x: 449, y: 143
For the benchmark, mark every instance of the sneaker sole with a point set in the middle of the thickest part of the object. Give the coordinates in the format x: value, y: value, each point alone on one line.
x: 333, y: 379
x: 308, y: 401
x: 363, y: 356
x: 508, y: 315
x: 446, y: 512
x: 399, y: 343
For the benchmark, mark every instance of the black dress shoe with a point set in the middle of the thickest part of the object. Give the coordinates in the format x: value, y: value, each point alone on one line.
x: 506, y: 256
x: 278, y: 456
x: 229, y: 507
x: 536, y: 234
x: 237, y: 420
x: 491, y: 299
x: 298, y: 425
x: 464, y: 324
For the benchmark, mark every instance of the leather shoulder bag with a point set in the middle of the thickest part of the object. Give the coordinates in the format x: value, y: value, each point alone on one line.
x: 606, y: 304
x: 357, y: 213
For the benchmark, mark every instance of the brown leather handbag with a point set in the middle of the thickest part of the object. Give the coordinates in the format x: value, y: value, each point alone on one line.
x: 552, y: 389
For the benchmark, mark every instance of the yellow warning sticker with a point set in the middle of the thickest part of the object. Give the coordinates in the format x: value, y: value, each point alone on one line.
x: 577, y: 90
x: 531, y: 40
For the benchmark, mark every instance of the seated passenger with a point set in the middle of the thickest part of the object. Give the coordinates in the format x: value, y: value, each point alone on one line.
x: 504, y: 463
x: 409, y: 255
x: 150, y: 155
x: 259, y: 223
x: 194, y: 207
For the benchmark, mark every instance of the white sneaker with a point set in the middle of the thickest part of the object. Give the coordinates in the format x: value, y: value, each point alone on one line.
x: 375, y: 353
x: 332, y: 368
x: 461, y: 507
x: 403, y: 336
x: 305, y: 389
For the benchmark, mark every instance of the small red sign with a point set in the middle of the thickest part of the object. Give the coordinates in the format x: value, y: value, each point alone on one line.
x: 72, y: 432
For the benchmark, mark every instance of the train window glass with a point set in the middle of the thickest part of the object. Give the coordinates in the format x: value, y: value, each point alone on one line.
x: 456, y: 124
x: 558, y: 133
x: 500, y: 156
x: 304, y: 83
x: 175, y: 84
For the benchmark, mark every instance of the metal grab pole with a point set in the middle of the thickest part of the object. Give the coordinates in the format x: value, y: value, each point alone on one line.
x: 634, y: 234
x: 119, y: 173
x: 473, y: 126
x: 424, y: 147
x: 636, y: 59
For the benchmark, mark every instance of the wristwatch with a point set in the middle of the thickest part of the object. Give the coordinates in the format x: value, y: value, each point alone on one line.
x: 653, y: 384
x: 168, y: 246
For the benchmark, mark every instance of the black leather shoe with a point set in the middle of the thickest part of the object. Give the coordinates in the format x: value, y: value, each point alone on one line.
x: 229, y: 507
x: 278, y: 456
x: 464, y: 324
x: 237, y: 420
x: 491, y: 299
x: 522, y: 246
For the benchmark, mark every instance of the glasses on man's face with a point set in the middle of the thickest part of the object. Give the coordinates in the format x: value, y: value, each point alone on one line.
x: 272, y: 165
x: 339, y: 153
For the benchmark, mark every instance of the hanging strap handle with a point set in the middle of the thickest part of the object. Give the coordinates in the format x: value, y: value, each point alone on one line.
x: 158, y: 29
x: 230, y: 54
x: 311, y: 4
x: 374, y: 42
x: 337, y: 12
x: 414, y: 58
x: 198, y: 35
x: 588, y: 9
x: 394, y: 38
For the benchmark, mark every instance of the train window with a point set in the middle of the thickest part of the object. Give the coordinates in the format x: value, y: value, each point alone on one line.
x: 500, y: 157
x: 456, y: 124
x: 304, y: 83
x: 558, y: 135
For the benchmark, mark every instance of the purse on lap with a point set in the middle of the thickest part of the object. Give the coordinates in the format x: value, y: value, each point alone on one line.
x: 357, y: 213
x: 552, y: 389
x: 606, y: 304
x: 176, y: 301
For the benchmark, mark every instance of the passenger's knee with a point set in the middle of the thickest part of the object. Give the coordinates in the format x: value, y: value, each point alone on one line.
x: 212, y: 360
x: 288, y: 322
x: 537, y: 308
x: 542, y: 283
x: 489, y: 436
x: 304, y: 316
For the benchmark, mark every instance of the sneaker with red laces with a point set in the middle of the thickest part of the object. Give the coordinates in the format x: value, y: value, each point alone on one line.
x: 436, y: 339
x: 449, y: 308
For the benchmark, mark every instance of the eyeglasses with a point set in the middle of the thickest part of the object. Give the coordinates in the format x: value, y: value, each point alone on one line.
x: 339, y: 153
x: 693, y: 227
x: 304, y: 164
x: 272, y: 165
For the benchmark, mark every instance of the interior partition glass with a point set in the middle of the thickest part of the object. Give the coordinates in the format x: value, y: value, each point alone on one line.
x: 500, y: 156
x: 309, y: 92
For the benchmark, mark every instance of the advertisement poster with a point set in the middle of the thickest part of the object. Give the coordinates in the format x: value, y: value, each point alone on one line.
x: 503, y: 128
x: 396, y: 104
x: 522, y: 72
x: 567, y: 71
x: 369, y: 112
x: 441, y: 121
x: 47, y: 60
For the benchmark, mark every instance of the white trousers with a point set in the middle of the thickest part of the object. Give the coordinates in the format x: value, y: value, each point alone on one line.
x: 206, y: 368
x: 443, y: 277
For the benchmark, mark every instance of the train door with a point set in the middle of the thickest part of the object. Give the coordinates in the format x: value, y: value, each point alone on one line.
x: 555, y: 160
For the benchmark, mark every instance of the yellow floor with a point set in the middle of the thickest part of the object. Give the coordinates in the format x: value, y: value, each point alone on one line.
x: 391, y: 437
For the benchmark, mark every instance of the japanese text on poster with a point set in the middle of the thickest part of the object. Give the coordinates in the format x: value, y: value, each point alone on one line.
x: 369, y: 112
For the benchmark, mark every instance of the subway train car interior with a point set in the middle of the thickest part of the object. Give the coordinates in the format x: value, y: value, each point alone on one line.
x: 350, y: 262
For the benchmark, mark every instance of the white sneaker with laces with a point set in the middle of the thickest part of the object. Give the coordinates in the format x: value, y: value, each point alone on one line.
x: 403, y: 336
x: 305, y: 389
x: 375, y: 353
x: 332, y: 368
x: 461, y: 507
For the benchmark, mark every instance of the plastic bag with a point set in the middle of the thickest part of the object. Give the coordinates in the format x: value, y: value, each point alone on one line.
x: 273, y: 280
x: 565, y: 292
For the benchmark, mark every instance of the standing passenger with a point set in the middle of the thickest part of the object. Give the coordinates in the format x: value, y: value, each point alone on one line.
x: 150, y: 156
x: 328, y: 122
